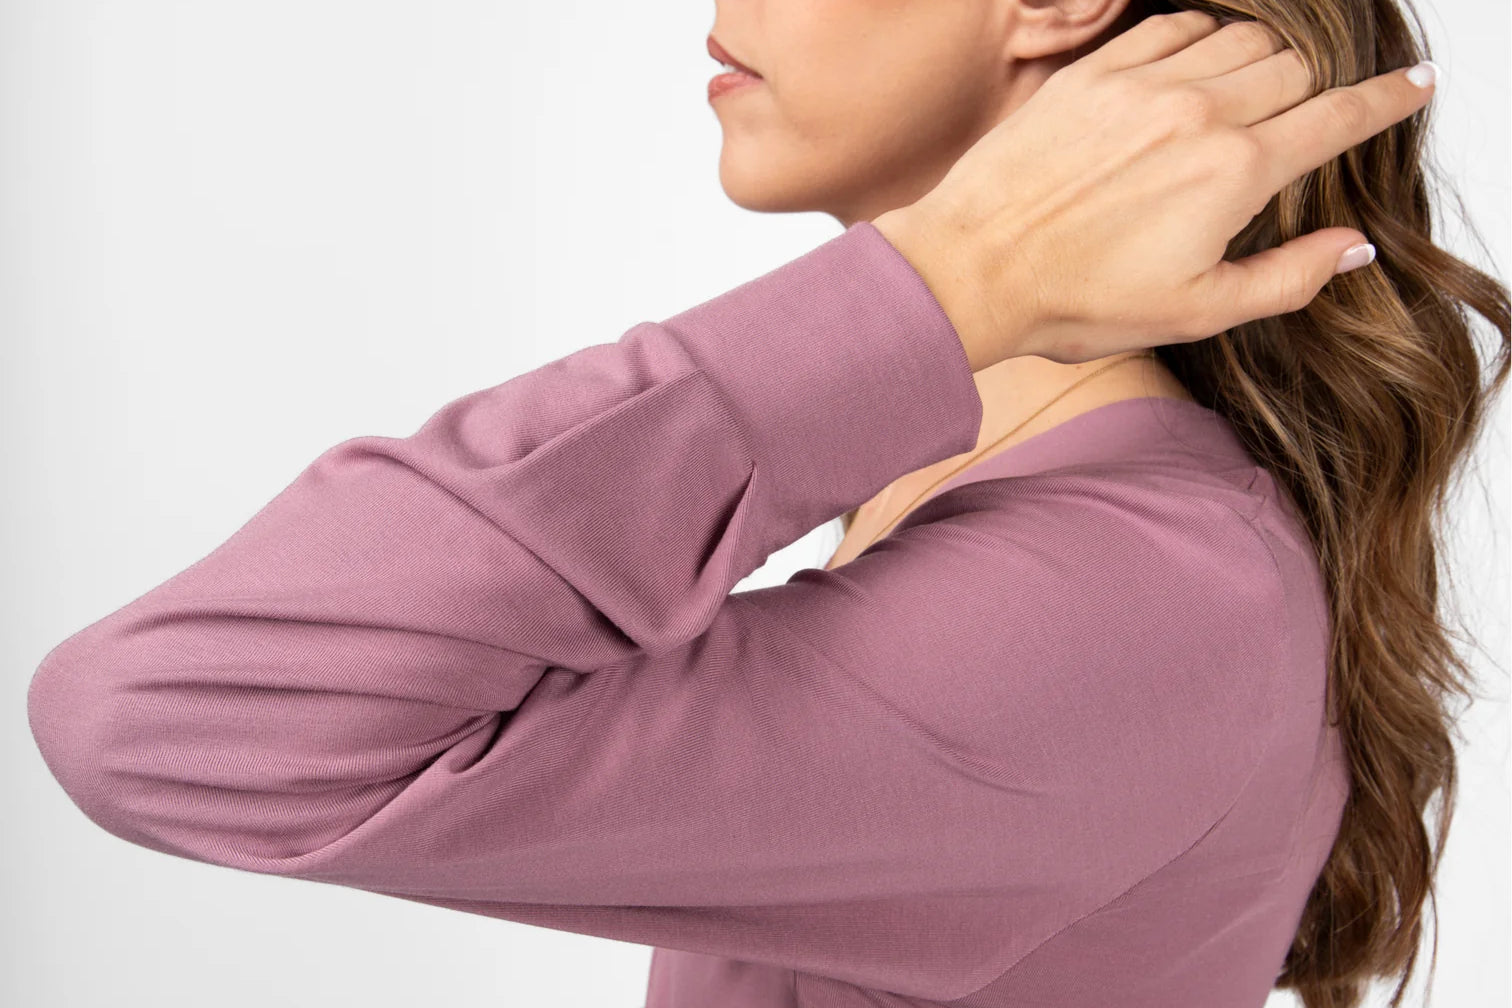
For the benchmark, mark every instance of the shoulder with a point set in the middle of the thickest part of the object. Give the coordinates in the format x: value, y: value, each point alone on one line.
x: 1065, y: 609
x: 1120, y: 543
x: 1107, y: 648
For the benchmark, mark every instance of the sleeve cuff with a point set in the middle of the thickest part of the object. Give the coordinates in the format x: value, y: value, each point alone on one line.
x: 840, y: 366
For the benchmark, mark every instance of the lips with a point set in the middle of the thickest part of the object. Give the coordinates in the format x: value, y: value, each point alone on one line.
x: 722, y: 54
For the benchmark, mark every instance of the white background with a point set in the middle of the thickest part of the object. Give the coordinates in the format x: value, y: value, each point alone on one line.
x: 233, y: 235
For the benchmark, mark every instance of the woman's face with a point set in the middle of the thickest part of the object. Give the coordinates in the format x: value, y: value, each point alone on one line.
x: 864, y: 105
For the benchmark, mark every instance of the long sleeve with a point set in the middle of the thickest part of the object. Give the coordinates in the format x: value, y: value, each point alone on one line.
x: 497, y: 665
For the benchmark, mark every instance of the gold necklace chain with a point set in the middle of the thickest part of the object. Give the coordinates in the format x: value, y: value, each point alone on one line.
x: 1005, y: 437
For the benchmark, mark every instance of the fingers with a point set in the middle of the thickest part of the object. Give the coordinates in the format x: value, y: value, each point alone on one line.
x: 1321, y: 128
x: 1154, y: 38
x: 1234, y: 45
x: 1272, y: 282
x: 1260, y: 90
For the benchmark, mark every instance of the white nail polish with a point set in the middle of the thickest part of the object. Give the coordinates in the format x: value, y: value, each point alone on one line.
x: 1354, y: 257
x: 1424, y: 74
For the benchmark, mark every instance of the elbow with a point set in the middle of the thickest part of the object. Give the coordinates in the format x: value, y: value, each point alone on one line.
x: 70, y: 711
x: 259, y: 779
x: 136, y: 775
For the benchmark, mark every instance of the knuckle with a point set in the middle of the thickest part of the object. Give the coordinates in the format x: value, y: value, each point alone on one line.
x: 1296, y: 289
x: 1254, y: 38
x: 1190, y: 18
x: 1174, y: 25
x: 1300, y: 69
x: 1190, y: 108
x: 1349, y: 111
x: 1232, y: 156
x: 1242, y: 152
x: 1302, y: 293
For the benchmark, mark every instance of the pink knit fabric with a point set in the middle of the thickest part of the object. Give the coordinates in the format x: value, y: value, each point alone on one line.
x: 1057, y: 740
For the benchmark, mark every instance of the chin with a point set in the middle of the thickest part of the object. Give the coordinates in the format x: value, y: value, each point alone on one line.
x: 762, y: 192
x: 762, y: 189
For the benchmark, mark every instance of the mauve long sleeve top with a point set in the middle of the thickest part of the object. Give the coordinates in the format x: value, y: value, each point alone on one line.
x: 1058, y: 739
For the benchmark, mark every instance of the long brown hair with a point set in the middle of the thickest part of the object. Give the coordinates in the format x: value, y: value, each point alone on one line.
x: 1364, y: 405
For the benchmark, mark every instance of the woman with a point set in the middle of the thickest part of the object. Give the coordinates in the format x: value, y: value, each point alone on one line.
x: 1056, y: 737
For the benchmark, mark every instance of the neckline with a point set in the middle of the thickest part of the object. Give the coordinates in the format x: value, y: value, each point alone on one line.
x: 1110, y: 432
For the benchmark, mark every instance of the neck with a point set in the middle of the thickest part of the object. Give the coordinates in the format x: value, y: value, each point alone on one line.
x: 1027, y: 396
x: 1014, y: 391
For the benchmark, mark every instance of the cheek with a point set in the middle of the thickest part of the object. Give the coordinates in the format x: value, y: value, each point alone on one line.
x: 820, y: 131
x: 851, y: 115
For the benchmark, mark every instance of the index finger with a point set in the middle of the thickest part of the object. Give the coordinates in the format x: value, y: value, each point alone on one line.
x: 1328, y: 124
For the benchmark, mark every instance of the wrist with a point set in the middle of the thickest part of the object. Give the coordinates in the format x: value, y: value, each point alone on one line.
x: 942, y: 253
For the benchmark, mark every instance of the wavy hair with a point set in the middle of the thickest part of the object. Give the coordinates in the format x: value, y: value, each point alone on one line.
x: 1364, y: 405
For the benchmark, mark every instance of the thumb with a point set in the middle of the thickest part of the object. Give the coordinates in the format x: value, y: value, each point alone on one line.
x: 1278, y: 280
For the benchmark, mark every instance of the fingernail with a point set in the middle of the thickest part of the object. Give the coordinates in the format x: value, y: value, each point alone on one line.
x: 1424, y: 74
x: 1354, y: 257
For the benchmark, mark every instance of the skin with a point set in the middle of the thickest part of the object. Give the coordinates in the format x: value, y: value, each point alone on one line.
x: 863, y: 107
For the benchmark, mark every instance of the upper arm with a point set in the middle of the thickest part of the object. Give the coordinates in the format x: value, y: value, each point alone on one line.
x: 904, y: 773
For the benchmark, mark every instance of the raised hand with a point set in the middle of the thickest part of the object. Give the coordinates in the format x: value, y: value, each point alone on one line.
x: 1094, y: 219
